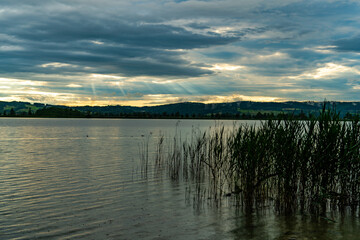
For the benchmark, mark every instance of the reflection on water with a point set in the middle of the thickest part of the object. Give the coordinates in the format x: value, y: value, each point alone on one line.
x: 265, y: 225
x: 80, y: 179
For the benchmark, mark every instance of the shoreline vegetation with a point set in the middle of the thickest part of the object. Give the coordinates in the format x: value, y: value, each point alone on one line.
x: 307, y: 167
x: 243, y: 110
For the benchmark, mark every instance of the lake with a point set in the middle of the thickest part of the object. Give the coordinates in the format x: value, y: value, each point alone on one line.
x: 82, y: 179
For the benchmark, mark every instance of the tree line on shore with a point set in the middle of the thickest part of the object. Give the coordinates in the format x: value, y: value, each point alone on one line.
x: 67, y: 112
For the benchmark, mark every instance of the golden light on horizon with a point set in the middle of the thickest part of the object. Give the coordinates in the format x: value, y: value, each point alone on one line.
x: 72, y: 85
x: 162, y: 99
x: 225, y: 67
x: 12, y: 82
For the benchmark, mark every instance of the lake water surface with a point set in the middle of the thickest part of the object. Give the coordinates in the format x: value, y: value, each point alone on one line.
x: 81, y: 179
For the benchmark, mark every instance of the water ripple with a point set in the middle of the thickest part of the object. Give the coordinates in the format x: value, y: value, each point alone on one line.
x: 57, y: 183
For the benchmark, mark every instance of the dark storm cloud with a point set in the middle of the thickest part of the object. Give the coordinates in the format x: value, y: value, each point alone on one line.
x: 198, y: 26
x: 265, y: 48
x: 113, y: 44
x: 350, y: 44
x: 222, y: 55
x: 148, y: 35
x: 111, y: 60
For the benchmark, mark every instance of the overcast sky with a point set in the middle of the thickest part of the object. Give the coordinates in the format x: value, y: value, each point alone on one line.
x: 149, y: 52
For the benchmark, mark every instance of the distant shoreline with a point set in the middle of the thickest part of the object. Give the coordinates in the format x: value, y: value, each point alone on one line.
x: 243, y: 110
x: 214, y: 119
x: 170, y: 118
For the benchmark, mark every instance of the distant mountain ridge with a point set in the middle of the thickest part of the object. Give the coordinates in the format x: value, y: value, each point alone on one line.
x: 190, y: 109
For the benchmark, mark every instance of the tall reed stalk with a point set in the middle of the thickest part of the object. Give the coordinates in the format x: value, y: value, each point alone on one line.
x: 311, y: 166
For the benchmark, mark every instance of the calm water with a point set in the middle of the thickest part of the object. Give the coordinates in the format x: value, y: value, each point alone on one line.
x: 81, y: 179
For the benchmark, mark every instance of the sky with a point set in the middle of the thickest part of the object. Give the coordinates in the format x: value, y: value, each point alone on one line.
x: 152, y: 52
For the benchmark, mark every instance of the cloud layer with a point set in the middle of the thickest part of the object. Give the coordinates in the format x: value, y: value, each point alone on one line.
x: 152, y: 52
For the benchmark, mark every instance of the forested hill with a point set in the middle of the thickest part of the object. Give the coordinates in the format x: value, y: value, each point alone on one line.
x: 243, y: 109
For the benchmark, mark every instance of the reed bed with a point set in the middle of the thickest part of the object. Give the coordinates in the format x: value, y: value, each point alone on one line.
x: 308, y: 166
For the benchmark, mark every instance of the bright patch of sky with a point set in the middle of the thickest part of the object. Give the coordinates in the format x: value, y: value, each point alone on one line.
x: 143, y: 52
